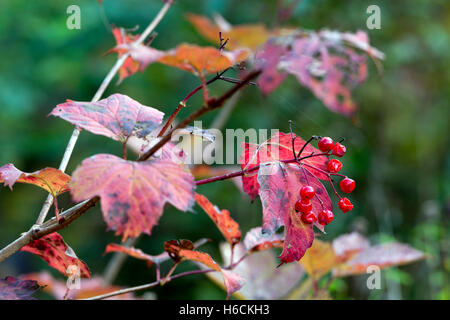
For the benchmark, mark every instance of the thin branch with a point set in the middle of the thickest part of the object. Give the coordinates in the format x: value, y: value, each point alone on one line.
x: 73, y: 213
x: 149, y: 285
x: 76, y: 132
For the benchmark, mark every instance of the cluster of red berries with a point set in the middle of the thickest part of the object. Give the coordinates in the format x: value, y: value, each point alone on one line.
x: 304, y: 206
x: 347, y: 185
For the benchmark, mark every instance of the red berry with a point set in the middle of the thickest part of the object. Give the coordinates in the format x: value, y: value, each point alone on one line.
x: 339, y: 149
x: 325, y: 144
x: 308, y: 217
x: 345, y: 205
x: 325, y: 217
x: 307, y: 192
x: 334, y: 165
x: 303, y: 206
x: 347, y: 185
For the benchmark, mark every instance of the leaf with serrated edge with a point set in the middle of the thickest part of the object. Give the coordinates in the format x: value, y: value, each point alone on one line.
x: 57, y: 254
x: 133, y: 194
x: 50, y: 179
x: 117, y: 117
x: 222, y: 219
x: 180, y: 250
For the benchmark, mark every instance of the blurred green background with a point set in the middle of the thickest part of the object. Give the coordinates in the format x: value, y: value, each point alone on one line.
x: 398, y: 146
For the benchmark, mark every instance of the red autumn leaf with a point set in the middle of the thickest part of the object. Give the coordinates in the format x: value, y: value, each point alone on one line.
x: 255, y: 240
x: 326, y: 62
x: 183, y: 250
x: 267, y: 60
x: 248, y: 36
x: 52, y: 180
x: 58, y: 255
x: 133, y: 194
x: 222, y: 219
x: 202, y: 60
x: 382, y: 255
x: 15, y: 289
x: 279, y: 185
x: 277, y: 148
x: 137, y: 253
x: 140, y: 55
x: 117, y: 117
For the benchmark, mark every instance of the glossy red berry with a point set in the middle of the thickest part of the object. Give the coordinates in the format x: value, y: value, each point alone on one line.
x: 308, y: 217
x: 347, y: 185
x: 307, y: 192
x: 345, y: 205
x: 339, y: 150
x: 325, y: 217
x: 334, y: 165
x: 304, y: 206
x: 325, y: 144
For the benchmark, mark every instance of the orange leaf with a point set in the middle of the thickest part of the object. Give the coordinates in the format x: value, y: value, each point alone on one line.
x: 242, y: 36
x: 137, y: 253
x: 183, y: 250
x: 50, y: 179
x: 222, y: 219
x: 319, y: 259
x: 58, y: 255
x: 201, y: 60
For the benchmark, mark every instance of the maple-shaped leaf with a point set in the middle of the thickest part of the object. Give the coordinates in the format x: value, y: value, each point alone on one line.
x: 133, y: 194
x: 202, y: 60
x: 140, y: 55
x: 263, y: 280
x: 117, y: 117
x: 256, y: 240
x: 137, y: 253
x: 329, y: 63
x: 52, y: 180
x: 15, y: 289
x: 88, y: 287
x: 222, y: 219
x: 58, y: 255
x: 180, y: 250
x: 278, y: 148
x: 249, y: 36
x: 279, y: 185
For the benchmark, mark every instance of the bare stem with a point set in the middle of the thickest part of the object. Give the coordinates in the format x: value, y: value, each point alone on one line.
x: 149, y: 285
x: 76, y: 132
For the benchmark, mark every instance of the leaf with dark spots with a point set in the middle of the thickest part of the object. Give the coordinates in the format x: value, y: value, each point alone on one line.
x: 52, y: 180
x: 267, y: 60
x: 117, y: 117
x: 222, y: 219
x: 180, y: 250
x: 133, y: 194
x: 15, y: 289
x: 279, y: 207
x: 57, y: 254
